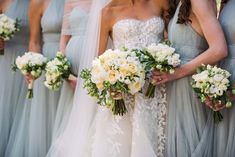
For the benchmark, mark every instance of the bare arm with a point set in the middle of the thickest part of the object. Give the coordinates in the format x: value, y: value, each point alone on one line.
x: 209, y: 24
x: 64, y: 39
x: 35, y: 14
x: 217, y: 45
x: 104, y: 30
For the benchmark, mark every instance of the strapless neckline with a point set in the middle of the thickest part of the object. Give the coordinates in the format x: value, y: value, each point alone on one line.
x: 138, y: 20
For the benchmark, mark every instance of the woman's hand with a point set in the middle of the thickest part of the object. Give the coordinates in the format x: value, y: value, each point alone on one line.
x: 230, y: 95
x: 116, y: 95
x: 215, y: 106
x: 72, y: 83
x: 164, y: 77
x: 29, y: 78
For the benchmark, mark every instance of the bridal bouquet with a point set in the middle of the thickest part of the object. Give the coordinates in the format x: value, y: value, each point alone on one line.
x: 211, y: 83
x: 57, y: 70
x: 8, y: 27
x: 161, y: 57
x: 112, y: 75
x: 33, y: 64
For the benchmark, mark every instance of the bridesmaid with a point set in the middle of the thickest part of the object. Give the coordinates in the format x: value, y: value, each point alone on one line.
x: 192, y: 32
x: 45, y: 19
x: 225, y: 131
x: 12, y: 85
x: 73, y: 32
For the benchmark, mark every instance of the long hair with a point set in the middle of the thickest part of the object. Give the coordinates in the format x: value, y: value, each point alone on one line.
x: 224, y: 1
x: 184, y: 12
x: 172, y: 7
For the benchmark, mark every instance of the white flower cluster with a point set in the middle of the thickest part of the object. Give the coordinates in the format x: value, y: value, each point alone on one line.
x: 31, y: 63
x: 166, y: 58
x: 118, y: 66
x: 8, y: 27
x: 56, y: 69
x: 212, y: 81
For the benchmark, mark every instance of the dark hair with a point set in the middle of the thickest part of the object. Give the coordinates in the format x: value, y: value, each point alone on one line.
x: 184, y: 12
x: 172, y: 7
x: 224, y: 1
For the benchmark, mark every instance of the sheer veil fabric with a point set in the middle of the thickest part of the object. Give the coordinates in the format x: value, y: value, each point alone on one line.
x: 67, y: 29
x: 74, y: 140
x: 74, y: 26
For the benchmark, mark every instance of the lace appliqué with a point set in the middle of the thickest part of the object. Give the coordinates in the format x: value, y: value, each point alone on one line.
x: 133, y: 33
x: 117, y: 129
x: 151, y: 115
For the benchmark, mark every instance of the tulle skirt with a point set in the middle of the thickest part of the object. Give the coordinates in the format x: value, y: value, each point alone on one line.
x: 32, y: 134
x: 190, y: 123
x: 65, y: 104
x: 12, y: 92
x: 43, y: 111
x: 225, y: 131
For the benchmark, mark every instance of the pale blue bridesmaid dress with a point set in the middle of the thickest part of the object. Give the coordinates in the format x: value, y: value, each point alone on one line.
x: 44, y: 103
x: 77, y: 22
x: 190, y: 124
x: 12, y: 85
x: 225, y: 131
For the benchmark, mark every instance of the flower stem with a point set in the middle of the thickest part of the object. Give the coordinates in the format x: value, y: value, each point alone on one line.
x: 217, y: 116
x: 119, y: 107
x: 150, y: 91
x: 2, y: 51
x: 30, y: 90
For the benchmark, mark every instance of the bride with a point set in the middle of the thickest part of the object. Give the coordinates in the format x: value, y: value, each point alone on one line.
x: 93, y: 131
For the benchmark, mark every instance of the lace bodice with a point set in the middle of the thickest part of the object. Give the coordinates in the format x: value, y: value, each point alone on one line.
x: 133, y: 33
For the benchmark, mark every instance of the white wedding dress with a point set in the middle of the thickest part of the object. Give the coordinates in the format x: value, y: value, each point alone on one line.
x: 141, y: 132
x: 92, y: 130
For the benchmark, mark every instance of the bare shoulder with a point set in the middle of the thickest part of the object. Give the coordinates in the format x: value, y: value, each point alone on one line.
x: 163, y: 4
x: 111, y: 11
x: 202, y: 6
x: 107, y: 12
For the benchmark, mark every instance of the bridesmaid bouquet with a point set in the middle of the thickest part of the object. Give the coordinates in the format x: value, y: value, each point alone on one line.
x: 112, y: 75
x: 161, y: 57
x: 33, y: 64
x: 8, y: 27
x: 57, y: 70
x: 211, y: 83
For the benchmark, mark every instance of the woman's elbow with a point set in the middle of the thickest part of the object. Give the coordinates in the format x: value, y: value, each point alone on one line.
x: 221, y: 52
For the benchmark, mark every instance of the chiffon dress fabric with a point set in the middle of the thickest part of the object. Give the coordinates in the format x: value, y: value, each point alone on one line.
x: 190, y: 123
x: 74, y: 24
x: 225, y: 131
x: 34, y: 133
x: 12, y: 85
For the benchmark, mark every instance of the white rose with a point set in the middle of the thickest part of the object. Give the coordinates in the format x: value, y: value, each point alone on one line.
x: 135, y: 87
x: 218, y: 77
